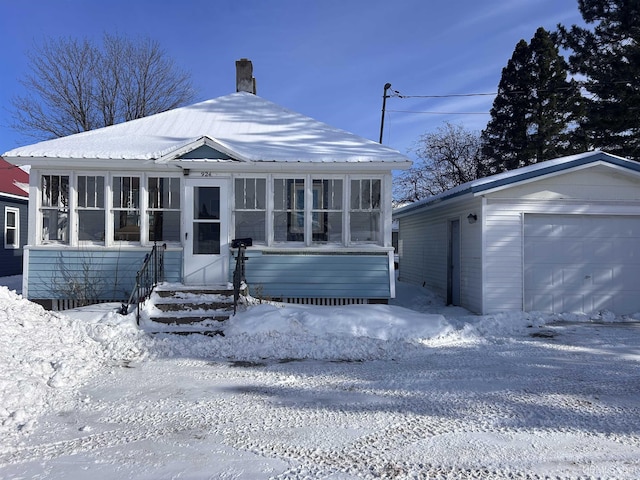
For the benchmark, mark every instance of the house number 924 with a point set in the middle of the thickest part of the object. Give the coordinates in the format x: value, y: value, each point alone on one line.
x: 205, y: 174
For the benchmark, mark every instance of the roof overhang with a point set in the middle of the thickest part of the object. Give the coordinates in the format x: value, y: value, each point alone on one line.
x: 524, y: 175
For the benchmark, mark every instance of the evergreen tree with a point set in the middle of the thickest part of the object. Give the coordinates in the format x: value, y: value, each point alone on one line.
x: 536, y: 113
x: 607, y: 54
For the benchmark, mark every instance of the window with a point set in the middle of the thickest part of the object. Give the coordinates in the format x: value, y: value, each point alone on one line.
x: 91, y: 223
x: 288, y: 210
x: 164, y: 209
x: 365, y: 211
x: 55, y: 208
x: 11, y: 228
x: 126, y: 209
x: 327, y: 211
x: 250, y: 208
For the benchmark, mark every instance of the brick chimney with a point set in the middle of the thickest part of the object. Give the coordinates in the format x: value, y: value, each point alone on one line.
x: 244, y: 76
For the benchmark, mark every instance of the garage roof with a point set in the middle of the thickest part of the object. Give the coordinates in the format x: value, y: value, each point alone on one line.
x: 523, y: 174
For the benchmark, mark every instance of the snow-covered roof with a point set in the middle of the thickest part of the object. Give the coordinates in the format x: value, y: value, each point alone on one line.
x: 530, y: 172
x: 241, y: 125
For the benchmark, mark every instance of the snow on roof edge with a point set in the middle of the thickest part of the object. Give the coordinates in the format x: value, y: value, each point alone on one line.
x: 518, y: 175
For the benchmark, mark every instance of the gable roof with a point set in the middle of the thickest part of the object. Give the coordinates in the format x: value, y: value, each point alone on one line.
x: 520, y: 175
x: 14, y: 181
x: 241, y: 125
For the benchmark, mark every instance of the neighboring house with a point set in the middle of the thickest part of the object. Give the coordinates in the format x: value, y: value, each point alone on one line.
x: 14, y: 184
x: 315, y: 200
x: 558, y: 236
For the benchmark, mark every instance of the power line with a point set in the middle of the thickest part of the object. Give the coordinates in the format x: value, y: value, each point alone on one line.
x: 399, y: 95
x: 439, y: 113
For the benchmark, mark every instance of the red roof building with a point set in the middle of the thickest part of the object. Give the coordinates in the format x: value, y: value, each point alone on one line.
x: 13, y: 180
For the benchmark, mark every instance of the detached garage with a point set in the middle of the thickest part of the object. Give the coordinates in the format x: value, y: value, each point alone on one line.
x: 559, y: 236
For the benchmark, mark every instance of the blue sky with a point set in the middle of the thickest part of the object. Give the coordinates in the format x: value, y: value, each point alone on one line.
x: 327, y: 59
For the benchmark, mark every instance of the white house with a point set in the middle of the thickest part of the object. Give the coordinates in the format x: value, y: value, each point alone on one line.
x: 315, y: 200
x: 558, y: 236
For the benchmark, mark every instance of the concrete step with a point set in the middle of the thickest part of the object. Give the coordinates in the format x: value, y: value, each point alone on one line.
x: 193, y: 309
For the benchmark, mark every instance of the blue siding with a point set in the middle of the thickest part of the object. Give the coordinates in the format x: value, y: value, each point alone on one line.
x: 11, y: 258
x: 113, y: 272
x: 318, y: 275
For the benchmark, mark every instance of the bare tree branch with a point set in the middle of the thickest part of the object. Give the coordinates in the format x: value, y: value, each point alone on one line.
x: 446, y: 158
x: 75, y: 85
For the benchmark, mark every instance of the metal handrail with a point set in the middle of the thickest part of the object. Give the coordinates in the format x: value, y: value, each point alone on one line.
x: 238, y: 274
x: 150, y: 274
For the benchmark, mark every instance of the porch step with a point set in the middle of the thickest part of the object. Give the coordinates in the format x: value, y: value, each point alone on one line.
x: 199, y: 309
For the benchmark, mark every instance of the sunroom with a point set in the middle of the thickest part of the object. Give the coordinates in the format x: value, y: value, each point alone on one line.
x: 315, y: 202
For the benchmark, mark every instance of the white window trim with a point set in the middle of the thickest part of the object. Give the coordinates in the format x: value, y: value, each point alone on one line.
x: 75, y: 218
x: 385, y: 212
x: 382, y: 210
x: 40, y: 208
x: 144, y: 201
x: 16, y: 244
x: 233, y: 210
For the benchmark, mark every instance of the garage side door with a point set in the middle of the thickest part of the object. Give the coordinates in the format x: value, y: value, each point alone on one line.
x: 582, y: 263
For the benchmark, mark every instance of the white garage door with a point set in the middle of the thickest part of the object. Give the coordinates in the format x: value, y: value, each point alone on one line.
x: 582, y: 263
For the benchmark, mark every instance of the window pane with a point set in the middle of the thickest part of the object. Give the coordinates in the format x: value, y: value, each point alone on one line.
x: 174, y: 190
x: 126, y: 226
x: 375, y: 193
x: 355, y: 194
x: 117, y: 192
x: 296, y: 199
x: 55, y: 225
x: 11, y: 219
x: 55, y: 190
x: 250, y: 193
x: 334, y: 226
x: 206, y: 203
x: 327, y: 227
x: 91, y: 225
x: 279, y: 194
x: 154, y: 193
x: 365, y: 226
x: 261, y: 193
x: 280, y: 226
x: 334, y: 195
x: 365, y: 195
x: 10, y: 237
x: 126, y: 192
x: 100, y: 192
x: 82, y: 191
x: 164, y: 226
x: 251, y: 225
x: 91, y: 192
x: 206, y: 238
x: 239, y: 193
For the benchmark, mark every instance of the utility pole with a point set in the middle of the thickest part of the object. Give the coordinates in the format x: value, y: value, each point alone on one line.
x: 387, y: 86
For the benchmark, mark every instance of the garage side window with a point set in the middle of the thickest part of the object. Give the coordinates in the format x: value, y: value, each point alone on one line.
x: 11, y: 228
x: 91, y: 212
x: 126, y: 209
x: 250, y: 208
x: 54, y: 208
x: 365, y: 211
x: 164, y: 209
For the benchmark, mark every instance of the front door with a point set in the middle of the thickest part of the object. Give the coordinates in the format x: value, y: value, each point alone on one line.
x: 206, y: 252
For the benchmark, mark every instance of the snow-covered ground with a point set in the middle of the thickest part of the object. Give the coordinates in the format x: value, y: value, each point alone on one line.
x: 409, y: 390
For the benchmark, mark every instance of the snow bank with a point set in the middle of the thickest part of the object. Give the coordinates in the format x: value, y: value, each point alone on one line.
x: 44, y: 356
x: 353, y: 332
